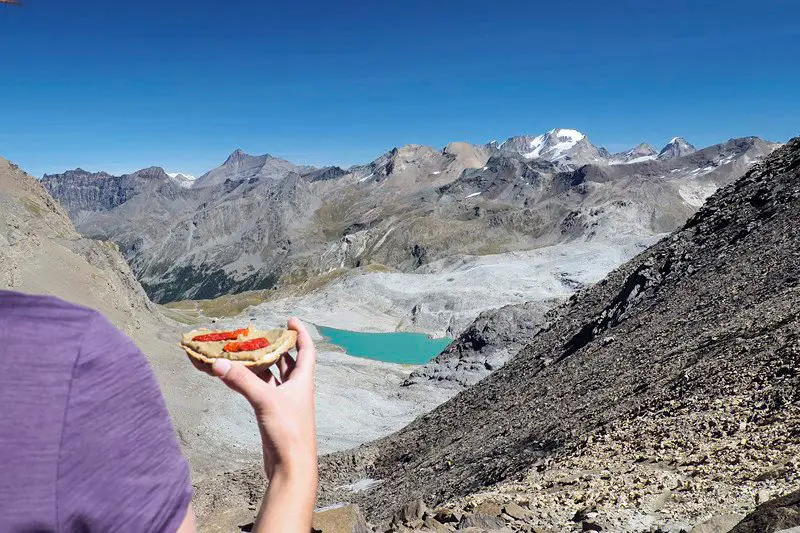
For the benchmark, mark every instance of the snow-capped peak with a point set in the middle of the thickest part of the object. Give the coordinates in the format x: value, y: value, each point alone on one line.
x: 184, y: 180
x: 554, y: 144
x: 180, y: 174
x: 562, y: 146
x: 677, y: 147
x: 573, y: 135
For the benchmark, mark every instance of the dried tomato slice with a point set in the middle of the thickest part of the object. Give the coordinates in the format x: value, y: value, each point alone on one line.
x: 246, y: 346
x: 221, y: 335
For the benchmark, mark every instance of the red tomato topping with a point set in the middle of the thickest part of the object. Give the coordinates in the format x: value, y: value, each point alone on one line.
x: 221, y: 336
x: 246, y: 346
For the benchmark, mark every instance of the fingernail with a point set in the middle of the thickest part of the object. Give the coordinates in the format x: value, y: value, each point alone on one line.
x: 221, y: 367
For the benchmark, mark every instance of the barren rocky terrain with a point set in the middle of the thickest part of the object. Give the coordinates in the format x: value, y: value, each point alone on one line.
x: 660, y: 399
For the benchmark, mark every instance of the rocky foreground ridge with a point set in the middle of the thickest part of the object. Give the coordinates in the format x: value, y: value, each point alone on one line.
x: 661, y: 398
x: 680, y: 367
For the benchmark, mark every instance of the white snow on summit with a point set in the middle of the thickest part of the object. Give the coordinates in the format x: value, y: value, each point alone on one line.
x: 176, y: 174
x: 556, y: 142
x: 573, y: 135
x: 184, y: 180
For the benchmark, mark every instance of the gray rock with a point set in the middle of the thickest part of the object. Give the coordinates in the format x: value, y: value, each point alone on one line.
x: 718, y: 524
x: 774, y: 515
x: 481, y: 521
x: 445, y: 515
x: 515, y: 511
x: 343, y: 519
x: 411, y: 512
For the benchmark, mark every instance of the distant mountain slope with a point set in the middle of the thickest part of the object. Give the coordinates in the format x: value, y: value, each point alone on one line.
x: 257, y: 222
x: 639, y: 154
x: 677, y: 147
x: 81, y: 191
x: 686, y: 357
x: 651, y: 192
x: 241, y: 166
x: 563, y: 147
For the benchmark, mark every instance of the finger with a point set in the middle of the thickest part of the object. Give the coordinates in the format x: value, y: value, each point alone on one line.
x: 242, y: 380
x: 285, y: 365
x: 306, y: 354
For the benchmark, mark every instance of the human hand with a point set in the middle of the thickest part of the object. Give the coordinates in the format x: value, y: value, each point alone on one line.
x: 284, y: 408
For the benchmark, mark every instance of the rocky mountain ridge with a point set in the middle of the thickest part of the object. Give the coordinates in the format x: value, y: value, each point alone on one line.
x: 663, y: 398
x: 241, y: 166
x: 258, y: 222
x: 681, y: 363
x: 497, y: 335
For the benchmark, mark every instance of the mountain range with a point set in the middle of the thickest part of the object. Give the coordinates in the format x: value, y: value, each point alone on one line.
x: 663, y: 398
x: 260, y: 222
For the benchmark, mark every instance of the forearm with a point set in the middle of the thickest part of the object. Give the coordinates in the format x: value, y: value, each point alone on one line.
x: 288, y: 505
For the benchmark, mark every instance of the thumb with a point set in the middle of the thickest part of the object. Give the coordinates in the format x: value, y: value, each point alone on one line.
x: 241, y: 379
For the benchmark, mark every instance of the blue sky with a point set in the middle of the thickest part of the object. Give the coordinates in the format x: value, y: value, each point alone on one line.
x: 123, y: 85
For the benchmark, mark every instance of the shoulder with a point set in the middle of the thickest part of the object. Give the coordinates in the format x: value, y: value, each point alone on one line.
x: 43, y: 308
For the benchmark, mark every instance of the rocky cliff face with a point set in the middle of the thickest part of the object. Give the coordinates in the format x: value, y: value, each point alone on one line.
x: 38, y: 240
x: 681, y: 366
x: 81, y: 191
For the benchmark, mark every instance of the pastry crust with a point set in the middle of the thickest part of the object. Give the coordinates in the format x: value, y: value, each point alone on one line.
x: 281, y: 341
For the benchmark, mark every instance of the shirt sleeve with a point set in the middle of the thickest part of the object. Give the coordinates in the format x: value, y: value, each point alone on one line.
x: 120, y: 467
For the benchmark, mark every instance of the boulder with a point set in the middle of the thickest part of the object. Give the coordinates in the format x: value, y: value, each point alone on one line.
x: 489, y: 508
x: 342, y: 519
x: 718, y: 524
x: 481, y: 521
x: 772, y: 516
x: 515, y: 511
x: 434, y: 525
x: 410, y: 514
x: 446, y: 516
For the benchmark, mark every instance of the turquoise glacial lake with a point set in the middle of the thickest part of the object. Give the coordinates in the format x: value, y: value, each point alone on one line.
x: 397, y: 347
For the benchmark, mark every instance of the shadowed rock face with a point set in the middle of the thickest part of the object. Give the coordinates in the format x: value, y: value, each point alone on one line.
x: 259, y: 221
x: 704, y: 323
x: 772, y: 516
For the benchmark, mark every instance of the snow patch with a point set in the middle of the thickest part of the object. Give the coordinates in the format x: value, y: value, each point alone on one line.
x: 361, y: 485
x: 184, y: 180
x: 471, y: 195
x: 642, y: 159
x: 366, y: 178
x: 565, y: 139
x: 696, y: 195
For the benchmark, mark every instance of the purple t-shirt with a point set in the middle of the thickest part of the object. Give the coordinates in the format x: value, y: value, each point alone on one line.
x: 86, y: 444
